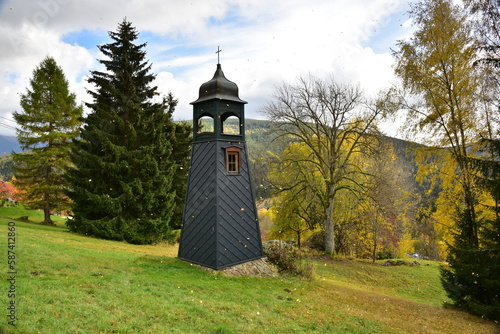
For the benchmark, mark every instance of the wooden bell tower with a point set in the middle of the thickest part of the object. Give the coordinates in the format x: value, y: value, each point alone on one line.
x: 220, y: 226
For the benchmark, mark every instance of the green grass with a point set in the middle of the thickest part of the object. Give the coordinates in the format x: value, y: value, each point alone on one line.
x: 417, y: 283
x: 68, y: 283
x: 16, y: 212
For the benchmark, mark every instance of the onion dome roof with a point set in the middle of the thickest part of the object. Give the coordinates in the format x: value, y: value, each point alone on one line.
x: 219, y: 88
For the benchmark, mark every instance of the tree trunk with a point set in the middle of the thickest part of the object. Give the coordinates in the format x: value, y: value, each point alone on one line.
x: 374, y: 254
x: 46, y: 211
x: 469, y: 199
x: 47, y: 220
x: 375, y: 235
x: 330, y: 229
x: 473, y: 233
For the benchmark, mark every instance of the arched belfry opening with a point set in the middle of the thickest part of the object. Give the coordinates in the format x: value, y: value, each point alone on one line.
x: 231, y: 124
x: 220, y: 227
x: 205, y: 123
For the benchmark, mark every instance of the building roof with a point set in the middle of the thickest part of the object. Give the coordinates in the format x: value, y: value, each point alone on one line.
x: 219, y: 88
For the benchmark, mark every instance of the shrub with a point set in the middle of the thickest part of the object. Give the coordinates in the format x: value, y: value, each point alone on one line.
x: 385, y: 254
x: 288, y: 259
x: 317, y: 241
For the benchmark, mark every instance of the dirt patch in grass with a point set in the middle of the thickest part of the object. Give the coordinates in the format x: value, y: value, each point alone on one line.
x: 398, y: 314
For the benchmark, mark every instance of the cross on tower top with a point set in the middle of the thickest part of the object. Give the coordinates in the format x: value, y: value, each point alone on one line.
x: 218, y: 54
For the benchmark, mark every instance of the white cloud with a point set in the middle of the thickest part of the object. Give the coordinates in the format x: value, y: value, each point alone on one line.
x: 408, y: 23
x: 264, y: 43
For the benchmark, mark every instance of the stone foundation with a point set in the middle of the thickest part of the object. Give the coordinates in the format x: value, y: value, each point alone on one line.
x: 256, y: 268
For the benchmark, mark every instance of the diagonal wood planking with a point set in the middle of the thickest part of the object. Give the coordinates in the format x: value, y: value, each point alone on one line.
x: 220, y: 225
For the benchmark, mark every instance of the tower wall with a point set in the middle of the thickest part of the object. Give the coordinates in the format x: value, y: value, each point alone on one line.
x: 198, y: 238
x: 220, y: 225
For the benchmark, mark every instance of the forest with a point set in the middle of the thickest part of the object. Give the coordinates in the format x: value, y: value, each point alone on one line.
x: 406, y: 233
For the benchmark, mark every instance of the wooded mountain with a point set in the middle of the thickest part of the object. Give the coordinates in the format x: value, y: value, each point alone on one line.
x: 262, y: 145
x: 259, y: 137
x: 9, y: 144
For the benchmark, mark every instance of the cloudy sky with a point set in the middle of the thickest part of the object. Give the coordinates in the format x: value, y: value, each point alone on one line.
x: 264, y: 43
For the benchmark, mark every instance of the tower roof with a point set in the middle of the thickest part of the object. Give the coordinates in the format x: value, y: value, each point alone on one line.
x: 219, y: 88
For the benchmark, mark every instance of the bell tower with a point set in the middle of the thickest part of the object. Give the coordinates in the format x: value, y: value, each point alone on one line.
x: 220, y: 225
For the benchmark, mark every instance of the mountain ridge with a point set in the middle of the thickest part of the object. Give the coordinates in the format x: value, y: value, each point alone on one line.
x: 9, y: 144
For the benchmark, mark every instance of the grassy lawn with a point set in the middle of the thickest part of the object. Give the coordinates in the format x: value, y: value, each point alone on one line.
x: 68, y: 283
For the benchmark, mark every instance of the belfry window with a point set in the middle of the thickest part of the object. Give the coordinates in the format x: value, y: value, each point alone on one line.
x: 231, y: 125
x: 205, y: 124
x: 233, y: 160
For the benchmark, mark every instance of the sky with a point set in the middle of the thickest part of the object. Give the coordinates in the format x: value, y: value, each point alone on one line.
x: 264, y: 44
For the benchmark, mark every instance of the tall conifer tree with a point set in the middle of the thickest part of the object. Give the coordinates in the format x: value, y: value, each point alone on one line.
x: 122, y: 181
x: 50, y: 120
x: 181, y: 143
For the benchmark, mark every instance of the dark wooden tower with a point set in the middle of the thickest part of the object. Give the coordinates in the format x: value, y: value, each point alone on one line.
x: 220, y: 226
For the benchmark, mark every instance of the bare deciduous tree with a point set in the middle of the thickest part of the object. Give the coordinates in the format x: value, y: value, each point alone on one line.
x: 335, y: 123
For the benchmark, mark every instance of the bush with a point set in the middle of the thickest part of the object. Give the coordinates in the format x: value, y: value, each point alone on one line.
x: 385, y: 254
x: 288, y: 259
x: 317, y: 241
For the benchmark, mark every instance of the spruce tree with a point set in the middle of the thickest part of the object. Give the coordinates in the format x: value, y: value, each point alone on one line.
x: 490, y: 236
x: 50, y: 120
x: 122, y: 182
x: 181, y: 142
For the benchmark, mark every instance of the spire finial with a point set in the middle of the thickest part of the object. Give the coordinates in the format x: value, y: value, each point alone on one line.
x: 218, y: 55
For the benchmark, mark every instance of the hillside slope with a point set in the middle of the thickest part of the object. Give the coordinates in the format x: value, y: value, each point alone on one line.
x: 69, y: 283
